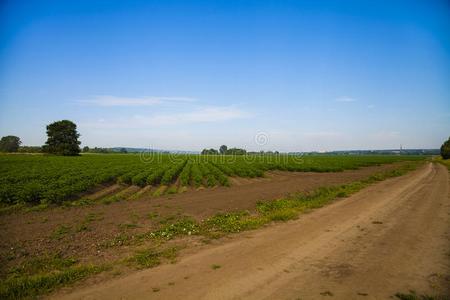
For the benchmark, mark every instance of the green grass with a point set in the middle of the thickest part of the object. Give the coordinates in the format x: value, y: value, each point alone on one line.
x: 412, y: 295
x: 150, y: 258
x: 45, y: 263
x: 43, y: 274
x: 60, y: 232
x: 172, y: 190
x: 88, y: 219
x: 231, y: 223
x: 152, y: 215
x: 28, y: 286
x: 184, y: 226
x: 128, y: 226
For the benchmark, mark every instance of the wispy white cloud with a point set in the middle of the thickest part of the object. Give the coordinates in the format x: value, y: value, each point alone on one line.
x: 108, y: 100
x: 345, y: 99
x: 201, y: 115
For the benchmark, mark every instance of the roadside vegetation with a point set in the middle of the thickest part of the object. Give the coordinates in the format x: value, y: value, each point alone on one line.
x: 445, y: 162
x: 445, y: 150
x: 412, y: 295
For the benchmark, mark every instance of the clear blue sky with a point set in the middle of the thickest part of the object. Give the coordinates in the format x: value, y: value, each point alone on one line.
x: 299, y: 75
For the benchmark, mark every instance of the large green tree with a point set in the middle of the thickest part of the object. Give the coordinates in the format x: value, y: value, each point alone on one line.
x: 223, y: 149
x: 62, y: 138
x: 445, y: 149
x: 10, y: 143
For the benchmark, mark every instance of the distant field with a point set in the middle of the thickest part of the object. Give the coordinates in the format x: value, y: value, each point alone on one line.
x: 54, y: 179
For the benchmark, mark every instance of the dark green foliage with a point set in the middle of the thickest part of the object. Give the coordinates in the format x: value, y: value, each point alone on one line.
x: 157, y: 174
x: 209, y: 152
x: 218, y: 174
x: 141, y: 178
x: 236, y: 151
x: 62, y: 138
x: 445, y: 149
x: 209, y: 179
x: 10, y: 143
x: 185, y: 174
x: 171, y: 173
x: 223, y: 149
x: 196, y: 175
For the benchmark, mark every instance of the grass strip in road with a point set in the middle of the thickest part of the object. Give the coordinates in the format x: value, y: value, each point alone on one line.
x: 149, y: 258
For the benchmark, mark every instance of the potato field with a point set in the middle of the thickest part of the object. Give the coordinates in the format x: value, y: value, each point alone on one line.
x: 38, y: 179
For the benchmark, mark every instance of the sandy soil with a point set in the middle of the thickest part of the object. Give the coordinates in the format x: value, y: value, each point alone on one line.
x: 390, y: 237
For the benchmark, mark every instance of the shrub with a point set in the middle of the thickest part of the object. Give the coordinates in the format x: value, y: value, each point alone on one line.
x: 445, y: 149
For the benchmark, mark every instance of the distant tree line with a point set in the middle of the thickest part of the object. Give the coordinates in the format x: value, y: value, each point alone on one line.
x: 224, y: 150
x: 86, y: 149
x: 30, y: 149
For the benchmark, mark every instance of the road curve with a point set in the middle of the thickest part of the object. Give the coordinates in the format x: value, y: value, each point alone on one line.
x: 390, y: 237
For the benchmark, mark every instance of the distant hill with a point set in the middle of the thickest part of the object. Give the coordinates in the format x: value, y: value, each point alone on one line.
x: 375, y: 152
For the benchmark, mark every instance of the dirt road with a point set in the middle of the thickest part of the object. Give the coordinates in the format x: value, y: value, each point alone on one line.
x: 391, y: 237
